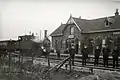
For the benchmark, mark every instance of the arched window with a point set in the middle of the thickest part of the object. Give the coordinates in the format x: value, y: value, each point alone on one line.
x: 106, y: 22
x: 56, y: 44
x: 72, y: 30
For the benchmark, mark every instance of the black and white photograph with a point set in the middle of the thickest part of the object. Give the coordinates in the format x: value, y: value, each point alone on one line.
x: 59, y: 39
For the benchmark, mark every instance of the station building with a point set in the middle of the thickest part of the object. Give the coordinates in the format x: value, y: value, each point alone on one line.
x: 78, y: 31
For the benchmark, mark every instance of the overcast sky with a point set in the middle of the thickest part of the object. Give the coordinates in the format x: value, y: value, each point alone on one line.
x: 18, y: 17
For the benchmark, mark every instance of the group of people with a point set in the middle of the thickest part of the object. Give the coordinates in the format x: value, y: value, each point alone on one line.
x: 97, y: 52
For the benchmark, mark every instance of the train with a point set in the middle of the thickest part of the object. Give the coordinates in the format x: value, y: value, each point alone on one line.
x: 27, y: 45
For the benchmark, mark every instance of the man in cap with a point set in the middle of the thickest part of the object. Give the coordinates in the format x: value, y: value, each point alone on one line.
x: 115, y: 55
x: 85, y: 53
x: 72, y: 53
x: 97, y: 54
x: 106, y: 52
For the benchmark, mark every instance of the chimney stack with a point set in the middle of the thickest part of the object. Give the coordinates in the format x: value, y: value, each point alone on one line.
x: 116, y: 13
x: 32, y: 34
x: 45, y: 33
x: 79, y: 17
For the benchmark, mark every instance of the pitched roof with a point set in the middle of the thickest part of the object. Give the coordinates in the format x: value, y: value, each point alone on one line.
x: 58, y: 31
x: 91, y: 26
x: 97, y: 25
x: 8, y: 40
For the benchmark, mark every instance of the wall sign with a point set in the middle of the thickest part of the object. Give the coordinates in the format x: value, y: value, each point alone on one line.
x: 71, y: 36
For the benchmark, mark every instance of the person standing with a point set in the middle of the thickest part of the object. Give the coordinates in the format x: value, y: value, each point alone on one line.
x: 45, y: 52
x: 72, y: 54
x: 85, y: 53
x: 115, y: 55
x: 58, y: 54
x: 66, y: 51
x: 105, y: 52
x: 97, y: 54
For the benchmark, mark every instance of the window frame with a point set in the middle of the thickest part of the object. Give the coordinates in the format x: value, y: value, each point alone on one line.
x: 72, y: 30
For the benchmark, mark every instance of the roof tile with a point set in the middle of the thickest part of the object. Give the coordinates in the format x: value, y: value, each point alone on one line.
x: 93, y: 25
x: 59, y: 30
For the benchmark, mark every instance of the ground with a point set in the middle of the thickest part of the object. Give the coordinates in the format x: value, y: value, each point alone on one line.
x: 61, y: 74
x: 65, y: 75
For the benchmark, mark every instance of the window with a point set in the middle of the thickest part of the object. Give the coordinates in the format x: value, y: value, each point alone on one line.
x: 56, y: 44
x: 72, y: 30
x: 106, y: 23
x: 109, y: 21
x: 61, y: 43
x: 66, y: 43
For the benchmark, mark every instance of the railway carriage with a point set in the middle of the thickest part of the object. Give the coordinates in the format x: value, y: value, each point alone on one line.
x: 9, y: 45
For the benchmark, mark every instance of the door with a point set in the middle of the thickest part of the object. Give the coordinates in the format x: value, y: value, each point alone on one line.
x: 56, y: 45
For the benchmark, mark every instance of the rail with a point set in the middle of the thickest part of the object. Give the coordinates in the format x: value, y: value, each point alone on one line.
x: 57, y: 67
x: 90, y: 61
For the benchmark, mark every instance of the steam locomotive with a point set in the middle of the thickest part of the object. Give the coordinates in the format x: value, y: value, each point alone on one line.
x: 29, y: 45
x: 26, y: 45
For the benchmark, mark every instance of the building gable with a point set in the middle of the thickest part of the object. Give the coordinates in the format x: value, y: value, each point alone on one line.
x: 71, y: 21
x: 60, y: 30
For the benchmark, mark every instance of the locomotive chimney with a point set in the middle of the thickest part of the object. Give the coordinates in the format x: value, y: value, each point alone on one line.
x: 45, y: 34
x: 117, y: 12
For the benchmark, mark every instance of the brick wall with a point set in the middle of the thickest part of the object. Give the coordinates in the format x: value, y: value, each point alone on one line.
x: 83, y: 38
x: 58, y: 38
x: 66, y: 33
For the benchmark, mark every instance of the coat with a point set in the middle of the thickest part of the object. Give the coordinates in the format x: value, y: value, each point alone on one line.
x: 115, y: 54
x: 85, y: 53
x: 106, y: 52
x: 72, y: 52
x: 97, y: 52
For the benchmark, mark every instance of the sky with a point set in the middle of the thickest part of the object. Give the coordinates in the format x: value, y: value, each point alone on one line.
x: 19, y: 17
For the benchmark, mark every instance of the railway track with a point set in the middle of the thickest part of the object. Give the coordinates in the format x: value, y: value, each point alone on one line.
x: 78, y: 62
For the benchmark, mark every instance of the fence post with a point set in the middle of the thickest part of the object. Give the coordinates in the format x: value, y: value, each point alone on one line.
x: 70, y: 63
x: 32, y: 57
x: 48, y: 61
